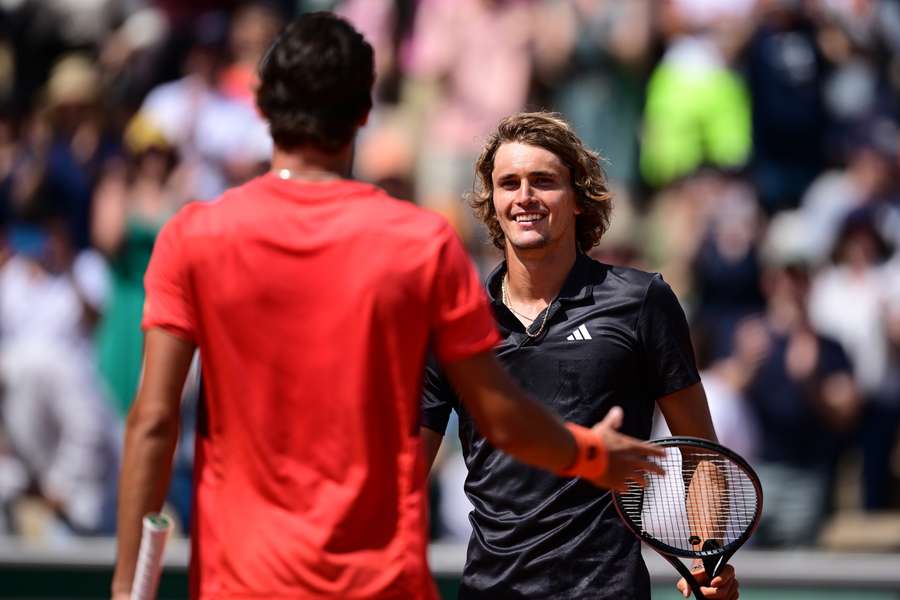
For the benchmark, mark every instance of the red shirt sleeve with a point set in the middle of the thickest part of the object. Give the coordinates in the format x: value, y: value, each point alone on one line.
x: 169, y: 301
x: 461, y: 319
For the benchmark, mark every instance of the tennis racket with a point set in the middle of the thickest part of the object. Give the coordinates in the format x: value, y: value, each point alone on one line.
x: 705, y: 507
x: 156, y: 528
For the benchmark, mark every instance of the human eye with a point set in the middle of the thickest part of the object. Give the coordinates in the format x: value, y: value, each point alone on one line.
x: 544, y: 182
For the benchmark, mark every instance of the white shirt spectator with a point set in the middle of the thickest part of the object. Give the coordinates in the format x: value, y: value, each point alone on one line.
x: 54, y: 416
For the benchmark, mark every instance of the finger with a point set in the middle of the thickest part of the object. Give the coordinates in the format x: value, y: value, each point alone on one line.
x: 646, y: 449
x: 719, y: 593
x: 729, y: 590
x: 725, y: 577
x: 641, y: 464
x: 639, y: 479
x: 620, y: 485
x: 613, y: 418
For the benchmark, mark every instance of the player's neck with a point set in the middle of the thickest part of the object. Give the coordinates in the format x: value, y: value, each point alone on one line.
x: 311, y: 164
x: 537, y: 277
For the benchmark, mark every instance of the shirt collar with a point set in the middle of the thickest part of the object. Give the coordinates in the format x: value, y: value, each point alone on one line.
x: 577, y: 286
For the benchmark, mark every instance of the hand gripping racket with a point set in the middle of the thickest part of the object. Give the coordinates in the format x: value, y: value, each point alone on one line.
x: 156, y: 529
x: 705, y: 507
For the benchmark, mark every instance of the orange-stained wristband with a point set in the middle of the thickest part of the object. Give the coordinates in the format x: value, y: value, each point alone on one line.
x: 592, y: 458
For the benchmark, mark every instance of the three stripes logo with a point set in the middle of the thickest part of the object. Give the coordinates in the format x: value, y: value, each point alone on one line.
x: 579, y: 334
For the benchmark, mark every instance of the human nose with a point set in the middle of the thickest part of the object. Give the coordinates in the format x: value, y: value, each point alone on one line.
x: 524, y: 194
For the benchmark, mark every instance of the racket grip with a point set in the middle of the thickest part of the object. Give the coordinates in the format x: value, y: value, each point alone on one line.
x: 156, y: 528
x: 712, y: 564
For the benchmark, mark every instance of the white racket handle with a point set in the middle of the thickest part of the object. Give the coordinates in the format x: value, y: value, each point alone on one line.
x: 149, y: 563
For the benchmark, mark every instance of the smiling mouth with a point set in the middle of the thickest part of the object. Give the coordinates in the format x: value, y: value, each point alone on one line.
x: 529, y: 217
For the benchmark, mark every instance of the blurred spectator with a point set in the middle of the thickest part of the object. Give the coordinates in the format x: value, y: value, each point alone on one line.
x: 859, y: 38
x: 802, y: 394
x: 253, y: 27
x: 130, y: 59
x: 54, y: 416
x: 786, y: 73
x: 726, y: 269
x: 222, y: 141
x: 387, y: 25
x: 476, y: 58
x: 13, y: 486
x: 75, y: 154
x: 386, y: 147
x: 76, y: 147
x: 675, y: 225
x: 866, y: 179
x: 132, y: 203
x: 856, y: 279
x: 697, y: 111
x: 42, y: 30
x: 596, y: 70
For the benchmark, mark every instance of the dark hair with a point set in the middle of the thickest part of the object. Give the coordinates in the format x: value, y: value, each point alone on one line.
x: 316, y: 82
x: 860, y: 221
x: 550, y: 132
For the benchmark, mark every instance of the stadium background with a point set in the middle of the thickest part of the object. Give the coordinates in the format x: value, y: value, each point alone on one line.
x: 745, y: 139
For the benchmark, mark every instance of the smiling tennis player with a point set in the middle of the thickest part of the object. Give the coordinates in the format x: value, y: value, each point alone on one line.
x: 583, y: 337
x: 312, y: 299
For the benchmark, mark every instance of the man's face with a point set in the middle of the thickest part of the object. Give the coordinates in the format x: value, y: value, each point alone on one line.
x: 533, y: 198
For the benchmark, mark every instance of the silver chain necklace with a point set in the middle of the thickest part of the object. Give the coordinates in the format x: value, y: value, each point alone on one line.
x: 506, y: 302
x: 305, y: 175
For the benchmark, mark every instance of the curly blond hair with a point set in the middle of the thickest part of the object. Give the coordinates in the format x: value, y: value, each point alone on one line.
x: 551, y: 132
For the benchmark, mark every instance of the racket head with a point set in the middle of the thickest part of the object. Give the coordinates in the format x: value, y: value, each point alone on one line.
x: 658, y: 512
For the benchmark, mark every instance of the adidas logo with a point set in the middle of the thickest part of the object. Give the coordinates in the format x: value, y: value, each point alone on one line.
x: 579, y: 334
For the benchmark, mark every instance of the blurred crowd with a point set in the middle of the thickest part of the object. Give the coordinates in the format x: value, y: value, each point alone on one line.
x: 753, y: 147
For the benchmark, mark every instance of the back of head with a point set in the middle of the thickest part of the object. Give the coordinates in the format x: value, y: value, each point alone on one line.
x: 315, y: 83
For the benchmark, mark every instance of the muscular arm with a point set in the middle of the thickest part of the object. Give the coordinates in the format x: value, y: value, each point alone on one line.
x: 151, y: 433
x: 519, y: 425
x: 687, y: 413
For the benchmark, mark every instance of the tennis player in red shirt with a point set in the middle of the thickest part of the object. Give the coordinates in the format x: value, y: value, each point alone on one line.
x: 313, y: 299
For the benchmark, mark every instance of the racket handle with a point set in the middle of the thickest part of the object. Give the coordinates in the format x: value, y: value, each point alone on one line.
x: 712, y: 564
x: 156, y: 528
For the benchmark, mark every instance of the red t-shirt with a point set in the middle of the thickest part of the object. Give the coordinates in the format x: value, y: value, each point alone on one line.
x: 313, y: 305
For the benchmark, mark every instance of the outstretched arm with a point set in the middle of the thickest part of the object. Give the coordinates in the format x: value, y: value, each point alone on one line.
x: 519, y: 425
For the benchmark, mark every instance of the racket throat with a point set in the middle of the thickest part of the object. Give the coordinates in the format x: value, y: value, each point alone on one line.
x: 712, y: 564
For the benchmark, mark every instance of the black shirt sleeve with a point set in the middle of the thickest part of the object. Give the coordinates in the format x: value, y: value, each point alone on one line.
x: 668, y: 355
x: 438, y: 398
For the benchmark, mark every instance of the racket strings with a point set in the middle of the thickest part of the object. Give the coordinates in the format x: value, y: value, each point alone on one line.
x: 704, y: 495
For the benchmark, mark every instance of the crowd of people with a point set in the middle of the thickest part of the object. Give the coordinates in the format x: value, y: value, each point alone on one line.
x: 753, y: 147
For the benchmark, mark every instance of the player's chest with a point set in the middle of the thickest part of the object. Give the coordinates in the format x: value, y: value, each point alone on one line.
x: 578, y: 365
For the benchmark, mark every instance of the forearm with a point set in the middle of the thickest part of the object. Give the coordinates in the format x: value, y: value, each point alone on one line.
x: 707, y: 493
x: 146, y: 472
